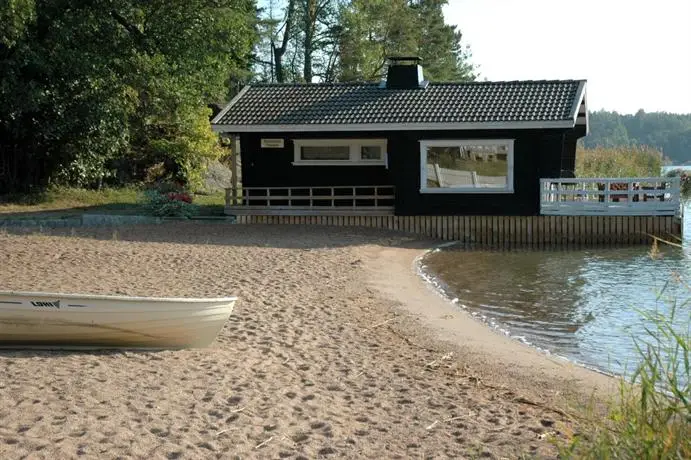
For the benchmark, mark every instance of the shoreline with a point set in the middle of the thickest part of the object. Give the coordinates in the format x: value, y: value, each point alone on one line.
x: 336, y: 347
x: 439, y: 286
x: 444, y: 322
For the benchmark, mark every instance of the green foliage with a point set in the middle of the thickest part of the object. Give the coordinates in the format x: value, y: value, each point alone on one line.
x: 168, y: 204
x: 439, y: 45
x: 376, y: 29
x: 633, y: 161
x: 651, y: 419
x: 180, y: 140
x: 95, y: 93
x: 89, y: 87
x: 685, y: 182
x: 667, y: 132
x: 15, y: 17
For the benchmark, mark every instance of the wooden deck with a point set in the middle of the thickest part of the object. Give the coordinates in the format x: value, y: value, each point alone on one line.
x: 506, y: 231
x: 575, y: 212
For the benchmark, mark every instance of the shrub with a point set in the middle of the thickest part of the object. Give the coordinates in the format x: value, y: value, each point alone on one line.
x: 169, y: 203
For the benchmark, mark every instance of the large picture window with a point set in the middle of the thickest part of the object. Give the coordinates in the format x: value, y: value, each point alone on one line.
x: 325, y: 152
x: 466, y: 166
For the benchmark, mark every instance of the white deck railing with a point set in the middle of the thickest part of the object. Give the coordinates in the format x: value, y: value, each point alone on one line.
x: 634, y: 196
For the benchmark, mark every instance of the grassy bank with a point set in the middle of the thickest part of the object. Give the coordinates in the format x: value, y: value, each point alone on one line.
x: 63, y: 200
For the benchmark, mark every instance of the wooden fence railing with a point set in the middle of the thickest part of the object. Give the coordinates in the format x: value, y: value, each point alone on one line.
x: 446, y: 177
x: 344, y: 200
x: 646, y: 196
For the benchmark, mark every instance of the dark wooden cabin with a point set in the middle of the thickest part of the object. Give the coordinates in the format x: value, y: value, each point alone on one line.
x: 404, y: 146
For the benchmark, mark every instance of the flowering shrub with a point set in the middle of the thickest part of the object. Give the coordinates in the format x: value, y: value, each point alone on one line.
x: 169, y: 204
x: 179, y: 197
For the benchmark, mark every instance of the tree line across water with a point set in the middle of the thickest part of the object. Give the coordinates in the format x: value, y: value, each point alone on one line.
x: 117, y: 92
x: 668, y: 133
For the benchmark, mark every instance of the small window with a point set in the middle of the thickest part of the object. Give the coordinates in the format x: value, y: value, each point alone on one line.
x: 370, y: 152
x: 333, y: 152
x: 326, y: 152
x: 466, y: 166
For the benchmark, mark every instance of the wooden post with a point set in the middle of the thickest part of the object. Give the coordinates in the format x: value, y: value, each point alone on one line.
x: 437, y: 172
x: 235, y: 151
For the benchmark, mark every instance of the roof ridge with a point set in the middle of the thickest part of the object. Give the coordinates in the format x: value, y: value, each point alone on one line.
x: 504, y: 82
x: 438, y: 83
x: 308, y: 85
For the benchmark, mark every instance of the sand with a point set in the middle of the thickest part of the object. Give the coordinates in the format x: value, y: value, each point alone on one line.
x: 336, y: 349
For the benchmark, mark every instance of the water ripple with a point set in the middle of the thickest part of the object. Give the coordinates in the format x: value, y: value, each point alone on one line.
x: 581, y: 304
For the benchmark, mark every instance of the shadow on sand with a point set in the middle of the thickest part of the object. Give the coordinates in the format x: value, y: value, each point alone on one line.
x: 293, y: 236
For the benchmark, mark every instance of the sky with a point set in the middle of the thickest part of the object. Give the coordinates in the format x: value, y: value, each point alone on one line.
x: 635, y: 54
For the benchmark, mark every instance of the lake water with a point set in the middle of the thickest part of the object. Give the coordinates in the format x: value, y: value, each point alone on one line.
x: 583, y: 305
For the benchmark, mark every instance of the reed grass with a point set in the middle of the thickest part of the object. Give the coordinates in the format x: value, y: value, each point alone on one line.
x: 626, y: 161
x: 650, y: 418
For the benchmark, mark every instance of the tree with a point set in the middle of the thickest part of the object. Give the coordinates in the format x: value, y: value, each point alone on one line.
x: 666, y: 132
x: 439, y: 44
x: 277, y: 34
x: 88, y: 82
x: 373, y: 30
x: 319, y: 31
x: 376, y: 29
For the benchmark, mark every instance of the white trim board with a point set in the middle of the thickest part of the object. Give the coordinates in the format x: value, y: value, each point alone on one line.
x: 355, y: 150
x: 324, y: 127
x: 579, y: 117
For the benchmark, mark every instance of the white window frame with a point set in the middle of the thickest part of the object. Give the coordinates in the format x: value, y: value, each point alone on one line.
x: 355, y: 152
x: 462, y: 143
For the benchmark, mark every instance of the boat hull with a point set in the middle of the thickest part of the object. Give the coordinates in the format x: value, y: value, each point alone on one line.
x: 73, y: 320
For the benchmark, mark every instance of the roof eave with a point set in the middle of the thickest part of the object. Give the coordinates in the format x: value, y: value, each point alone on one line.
x: 580, y: 117
x: 554, y: 124
x: 223, y: 112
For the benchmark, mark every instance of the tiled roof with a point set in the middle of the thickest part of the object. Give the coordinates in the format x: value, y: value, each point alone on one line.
x: 439, y: 103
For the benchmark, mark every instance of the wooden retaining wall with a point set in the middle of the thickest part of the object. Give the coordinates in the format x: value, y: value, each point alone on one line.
x: 506, y: 230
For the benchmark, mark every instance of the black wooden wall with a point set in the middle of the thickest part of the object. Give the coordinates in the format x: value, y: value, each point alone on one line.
x: 273, y: 167
x: 537, y: 153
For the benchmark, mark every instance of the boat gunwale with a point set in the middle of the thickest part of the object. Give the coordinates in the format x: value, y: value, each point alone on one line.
x: 118, y: 297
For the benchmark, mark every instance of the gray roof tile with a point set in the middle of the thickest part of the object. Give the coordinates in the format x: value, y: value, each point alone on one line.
x: 365, y: 103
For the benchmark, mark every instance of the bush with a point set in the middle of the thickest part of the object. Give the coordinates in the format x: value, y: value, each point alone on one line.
x: 165, y: 202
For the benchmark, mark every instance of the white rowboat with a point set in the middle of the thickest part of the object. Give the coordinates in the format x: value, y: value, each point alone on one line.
x: 74, y: 320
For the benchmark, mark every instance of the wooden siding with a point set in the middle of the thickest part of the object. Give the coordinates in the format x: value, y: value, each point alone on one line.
x: 537, y: 154
x: 505, y: 231
x: 273, y: 167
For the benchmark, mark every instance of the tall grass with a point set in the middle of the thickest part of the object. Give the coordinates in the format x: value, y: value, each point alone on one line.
x: 651, y: 417
x: 629, y: 161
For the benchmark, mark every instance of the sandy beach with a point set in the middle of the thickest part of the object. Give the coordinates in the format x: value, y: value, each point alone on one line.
x: 336, y: 348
